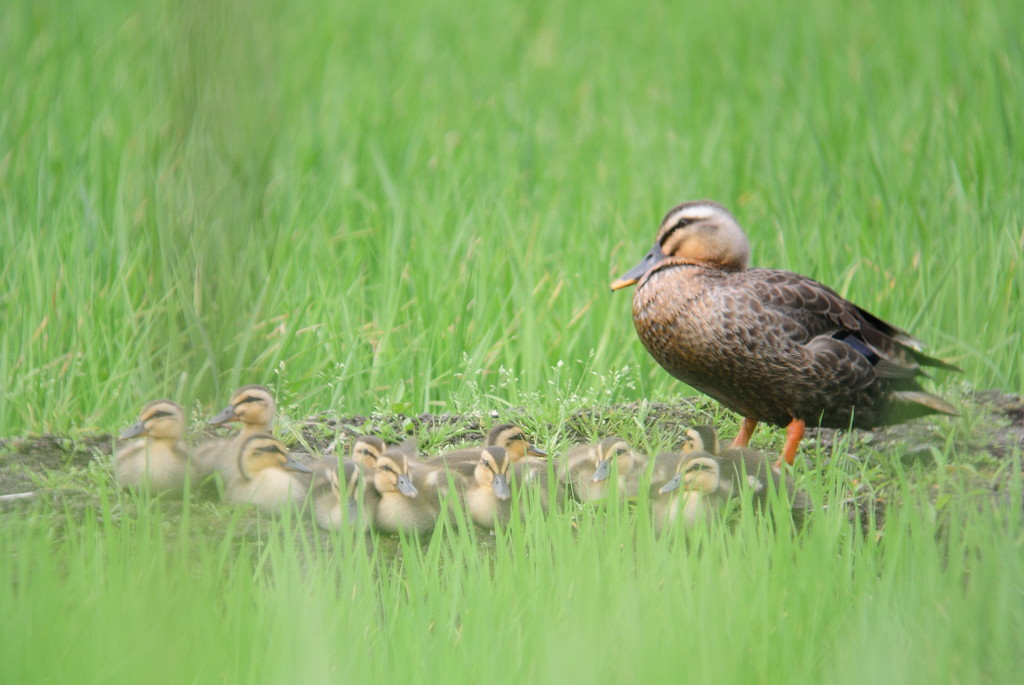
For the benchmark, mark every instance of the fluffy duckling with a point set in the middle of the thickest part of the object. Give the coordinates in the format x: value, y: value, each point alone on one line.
x: 693, y: 495
x: 488, y: 496
x: 157, y: 461
x: 508, y: 436
x: 268, y: 476
x: 402, y: 505
x: 709, y: 480
x: 251, y: 405
x: 586, y: 469
x: 752, y: 462
x: 366, y: 450
x: 330, y: 481
x: 773, y: 346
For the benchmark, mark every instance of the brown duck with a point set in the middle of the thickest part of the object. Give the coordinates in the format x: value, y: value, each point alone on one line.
x: 773, y: 346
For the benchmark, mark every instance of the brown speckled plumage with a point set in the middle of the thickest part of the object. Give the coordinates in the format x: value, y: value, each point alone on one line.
x: 771, y: 345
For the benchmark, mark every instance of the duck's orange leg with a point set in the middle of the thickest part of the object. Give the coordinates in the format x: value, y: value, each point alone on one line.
x: 746, y: 431
x: 794, y: 434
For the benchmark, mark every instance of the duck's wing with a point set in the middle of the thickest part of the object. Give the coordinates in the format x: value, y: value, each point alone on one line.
x: 803, y: 309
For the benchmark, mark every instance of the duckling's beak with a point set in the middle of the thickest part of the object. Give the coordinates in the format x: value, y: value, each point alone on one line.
x: 133, y: 431
x: 500, y: 486
x: 672, y: 485
x: 406, y: 487
x: 535, y: 451
x: 226, y: 415
x: 293, y: 465
x: 633, y: 275
x: 604, y: 467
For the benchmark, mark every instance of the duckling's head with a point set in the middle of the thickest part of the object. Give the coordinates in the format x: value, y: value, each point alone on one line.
x: 608, y: 450
x: 160, y: 420
x: 492, y: 471
x: 702, y: 233
x: 513, y: 439
x: 698, y: 472
x: 701, y: 439
x: 391, y: 473
x: 367, y: 450
x: 263, y: 451
x: 253, y: 405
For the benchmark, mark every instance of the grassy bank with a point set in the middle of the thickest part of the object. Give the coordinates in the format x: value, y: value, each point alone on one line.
x: 103, y: 587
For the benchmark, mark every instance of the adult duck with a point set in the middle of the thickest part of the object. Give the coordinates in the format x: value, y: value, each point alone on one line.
x: 773, y: 346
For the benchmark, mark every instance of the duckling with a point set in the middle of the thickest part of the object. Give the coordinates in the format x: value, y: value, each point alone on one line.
x: 403, y: 506
x: 488, y: 496
x: 268, y: 476
x: 508, y: 436
x: 366, y: 451
x: 251, y: 405
x: 586, y: 469
x: 773, y: 346
x: 692, y: 496
x: 158, y: 461
x: 360, y: 500
x: 709, y: 480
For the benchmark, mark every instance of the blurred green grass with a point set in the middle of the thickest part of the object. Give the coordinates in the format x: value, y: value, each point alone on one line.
x: 399, y: 205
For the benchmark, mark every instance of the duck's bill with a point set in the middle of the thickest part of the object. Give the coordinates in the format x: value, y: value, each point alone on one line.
x: 535, y: 451
x: 633, y: 276
x: 500, y: 487
x: 293, y: 465
x: 133, y: 431
x: 226, y: 415
x: 603, y: 469
x: 406, y: 487
x: 672, y: 485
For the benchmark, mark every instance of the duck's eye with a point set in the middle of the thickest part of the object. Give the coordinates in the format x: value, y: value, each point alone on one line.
x: 620, y: 451
x: 518, y: 436
x: 385, y: 467
x: 246, y: 400
x: 159, y: 415
x: 697, y: 467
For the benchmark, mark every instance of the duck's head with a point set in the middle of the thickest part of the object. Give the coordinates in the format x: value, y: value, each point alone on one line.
x: 492, y: 471
x: 608, y: 450
x: 160, y: 420
x: 367, y: 450
x: 701, y: 439
x: 391, y: 474
x: 253, y: 405
x: 513, y: 439
x: 702, y: 233
x: 698, y: 472
x: 263, y: 451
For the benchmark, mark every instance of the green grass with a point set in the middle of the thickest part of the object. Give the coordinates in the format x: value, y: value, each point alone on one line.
x: 123, y: 586
x: 419, y: 207
x: 375, y: 206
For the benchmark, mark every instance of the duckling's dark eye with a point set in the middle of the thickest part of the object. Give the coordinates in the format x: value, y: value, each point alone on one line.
x: 518, y: 436
x: 269, y: 449
x: 620, y: 451
x: 246, y: 400
x: 682, y: 223
x: 159, y: 415
x: 697, y: 467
